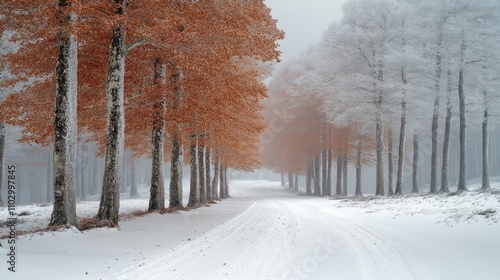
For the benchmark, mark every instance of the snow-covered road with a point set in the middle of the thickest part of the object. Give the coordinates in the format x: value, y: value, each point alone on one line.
x: 263, y: 232
x: 282, y: 236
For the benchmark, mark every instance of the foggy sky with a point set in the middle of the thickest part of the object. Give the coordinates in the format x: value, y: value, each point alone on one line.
x: 303, y: 21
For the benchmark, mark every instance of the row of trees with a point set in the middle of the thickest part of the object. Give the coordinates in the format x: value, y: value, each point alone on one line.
x: 133, y: 74
x: 380, y: 77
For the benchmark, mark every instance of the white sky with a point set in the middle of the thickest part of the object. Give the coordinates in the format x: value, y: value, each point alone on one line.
x: 303, y: 21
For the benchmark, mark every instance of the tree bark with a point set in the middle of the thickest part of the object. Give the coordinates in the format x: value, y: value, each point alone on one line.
x: 215, y: 181
x: 83, y: 178
x: 317, y: 178
x: 64, y: 211
x: 157, y: 189
x: 324, y: 172
x: 282, y: 179
x: 308, y: 180
x: 201, y: 174
x: 194, y: 195
x: 359, y: 165
x: 415, y: 164
x: 329, y: 174
x: 290, y: 180
x: 207, y: 174
x: 226, y: 183
x: 338, y: 189
x: 485, y: 176
x: 110, y: 194
x: 380, y: 149
x: 462, y: 179
x: 446, y: 141
x: 133, y: 182
x: 344, y: 173
x: 390, y: 164
x: 296, y: 183
x: 222, y: 184
x: 176, y: 157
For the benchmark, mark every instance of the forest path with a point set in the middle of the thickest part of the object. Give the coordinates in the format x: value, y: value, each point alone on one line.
x: 279, y: 236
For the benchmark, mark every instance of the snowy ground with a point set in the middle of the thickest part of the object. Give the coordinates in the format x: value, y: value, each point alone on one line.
x: 263, y: 232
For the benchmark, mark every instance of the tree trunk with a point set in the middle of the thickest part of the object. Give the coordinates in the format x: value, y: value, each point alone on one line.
x: 282, y: 179
x: 317, y: 178
x: 49, y: 177
x: 83, y: 178
x: 215, y: 181
x: 194, y: 195
x: 462, y: 179
x: 207, y: 175
x: 176, y: 158
x: 157, y: 189
x: 338, y: 189
x: 390, y: 164
x: 296, y: 183
x: 415, y: 164
x: 446, y: 141
x: 290, y: 180
x: 133, y: 182
x: 308, y: 180
x: 344, y: 173
x: 226, y: 183
x: 380, y: 149
x: 486, y: 179
x: 2, y: 159
x: 324, y: 172
x: 201, y: 174
x: 110, y: 194
x: 359, y: 165
x: 329, y: 174
x: 64, y: 211
x: 222, y: 189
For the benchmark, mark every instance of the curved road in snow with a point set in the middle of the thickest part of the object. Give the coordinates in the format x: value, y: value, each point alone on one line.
x: 280, y: 236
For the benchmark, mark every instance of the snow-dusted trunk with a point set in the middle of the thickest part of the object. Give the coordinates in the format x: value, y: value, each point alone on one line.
x: 402, y: 137
x: 446, y: 141
x: 390, y: 164
x: 485, y: 184
x: 359, y: 165
x: 110, y: 194
x: 201, y: 174
x: 157, y: 189
x: 226, y: 183
x: 296, y: 183
x: 380, y: 149
x: 207, y: 174
x: 344, y: 173
x: 194, y: 195
x: 133, y: 182
x: 338, y: 188
x: 2, y: 158
x: 282, y: 179
x: 435, y: 115
x: 64, y: 211
x: 324, y: 172
x: 83, y: 178
x: 329, y: 174
x: 176, y: 157
x: 215, y: 181
x: 222, y: 183
x: 317, y: 178
x: 290, y: 180
x: 309, y: 180
x: 415, y: 164
x: 462, y: 179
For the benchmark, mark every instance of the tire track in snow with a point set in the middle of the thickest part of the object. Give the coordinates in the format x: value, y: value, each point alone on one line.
x: 256, y: 244
x: 377, y: 258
